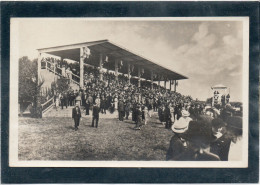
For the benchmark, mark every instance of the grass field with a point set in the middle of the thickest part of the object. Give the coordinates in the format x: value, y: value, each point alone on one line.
x: 56, y: 139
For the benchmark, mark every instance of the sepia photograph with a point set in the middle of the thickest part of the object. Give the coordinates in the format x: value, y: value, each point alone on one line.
x: 129, y: 92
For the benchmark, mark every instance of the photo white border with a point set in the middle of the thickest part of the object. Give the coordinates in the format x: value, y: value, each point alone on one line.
x: 13, y: 114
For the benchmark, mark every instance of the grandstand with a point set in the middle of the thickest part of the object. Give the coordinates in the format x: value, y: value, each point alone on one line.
x: 105, y: 56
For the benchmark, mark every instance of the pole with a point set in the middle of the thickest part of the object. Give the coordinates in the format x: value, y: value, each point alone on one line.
x: 152, y: 79
x: 128, y: 73
x: 170, y: 85
x: 81, y: 64
x: 116, y: 69
x: 174, y: 85
x: 39, y: 66
x: 100, y: 67
x: 139, y: 76
x: 165, y: 84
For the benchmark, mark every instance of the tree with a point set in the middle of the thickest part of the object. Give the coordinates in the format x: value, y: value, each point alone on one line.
x: 29, y: 87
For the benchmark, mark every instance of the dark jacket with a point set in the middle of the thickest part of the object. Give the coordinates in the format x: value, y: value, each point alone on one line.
x: 96, y: 111
x: 177, y: 149
x: 76, y: 114
x: 221, y: 147
x: 167, y: 114
x: 121, y: 106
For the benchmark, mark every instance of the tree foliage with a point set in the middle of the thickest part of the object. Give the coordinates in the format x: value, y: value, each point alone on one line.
x: 29, y: 87
x: 27, y: 79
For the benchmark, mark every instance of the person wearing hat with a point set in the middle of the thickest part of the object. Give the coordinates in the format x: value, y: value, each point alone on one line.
x: 178, y: 144
x: 220, y: 139
x: 95, y: 115
x: 199, y: 136
x: 76, y: 115
x: 185, y: 116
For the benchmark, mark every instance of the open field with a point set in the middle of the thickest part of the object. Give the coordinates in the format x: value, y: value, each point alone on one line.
x: 55, y: 139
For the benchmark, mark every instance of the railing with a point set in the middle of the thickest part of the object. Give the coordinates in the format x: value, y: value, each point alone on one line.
x: 47, y: 105
x: 75, y: 78
x: 58, y: 71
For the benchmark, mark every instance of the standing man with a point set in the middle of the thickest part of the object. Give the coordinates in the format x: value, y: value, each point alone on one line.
x: 76, y: 115
x: 127, y: 108
x: 167, y: 116
x: 95, y: 115
x: 121, y: 110
x: 138, y: 117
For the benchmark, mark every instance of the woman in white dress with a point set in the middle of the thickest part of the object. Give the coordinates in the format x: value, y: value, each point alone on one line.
x: 116, y: 103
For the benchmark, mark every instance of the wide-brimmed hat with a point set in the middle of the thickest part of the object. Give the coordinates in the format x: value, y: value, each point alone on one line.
x: 185, y: 113
x: 180, y: 126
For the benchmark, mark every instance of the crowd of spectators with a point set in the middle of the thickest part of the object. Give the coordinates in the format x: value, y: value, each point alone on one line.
x: 200, y: 132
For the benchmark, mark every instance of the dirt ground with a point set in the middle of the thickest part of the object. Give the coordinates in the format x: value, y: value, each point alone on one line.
x: 56, y: 139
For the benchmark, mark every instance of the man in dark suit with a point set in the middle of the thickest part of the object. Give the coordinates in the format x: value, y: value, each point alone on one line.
x: 121, y: 110
x: 76, y: 115
x: 167, y: 116
x: 95, y: 115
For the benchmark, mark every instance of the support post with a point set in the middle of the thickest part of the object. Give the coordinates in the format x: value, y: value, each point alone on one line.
x: 174, y: 85
x: 116, y: 69
x: 81, y: 64
x: 139, y: 76
x: 128, y: 73
x: 165, y: 84
x: 152, y: 79
x: 100, y: 67
x: 39, y: 61
x: 170, y: 85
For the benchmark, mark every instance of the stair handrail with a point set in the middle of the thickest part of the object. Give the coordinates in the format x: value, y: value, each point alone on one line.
x: 72, y: 80
x: 44, y: 108
x: 53, y: 70
x: 75, y: 75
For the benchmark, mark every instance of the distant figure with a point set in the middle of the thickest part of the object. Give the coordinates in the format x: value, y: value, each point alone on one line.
x: 138, y: 114
x: 127, y: 109
x: 167, y: 117
x: 76, y: 115
x: 95, y: 114
x: 121, y: 110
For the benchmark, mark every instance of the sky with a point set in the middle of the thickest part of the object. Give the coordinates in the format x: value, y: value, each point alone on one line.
x: 207, y: 52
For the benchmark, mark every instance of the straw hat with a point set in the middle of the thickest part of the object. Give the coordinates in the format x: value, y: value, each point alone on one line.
x: 185, y: 113
x: 180, y: 126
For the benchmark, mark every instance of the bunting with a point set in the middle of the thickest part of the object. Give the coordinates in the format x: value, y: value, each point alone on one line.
x: 86, y: 52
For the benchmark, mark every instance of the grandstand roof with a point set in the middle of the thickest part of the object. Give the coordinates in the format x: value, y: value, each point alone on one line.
x: 116, y: 52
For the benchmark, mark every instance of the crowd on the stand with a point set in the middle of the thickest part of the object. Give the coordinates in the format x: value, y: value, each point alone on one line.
x: 200, y: 132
